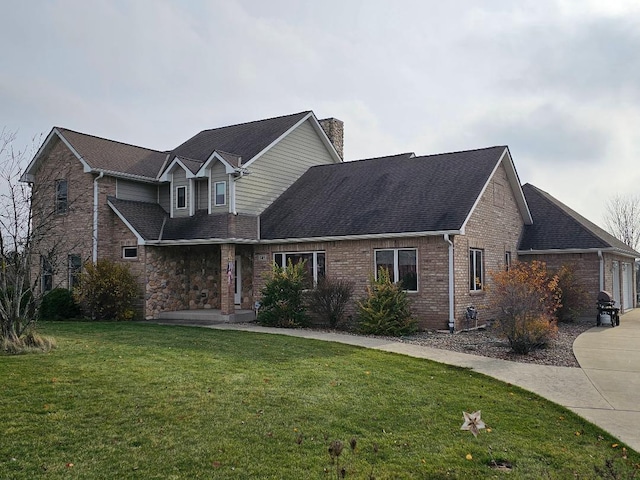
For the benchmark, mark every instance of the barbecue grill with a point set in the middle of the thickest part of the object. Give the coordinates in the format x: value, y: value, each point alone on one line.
x: 607, y: 311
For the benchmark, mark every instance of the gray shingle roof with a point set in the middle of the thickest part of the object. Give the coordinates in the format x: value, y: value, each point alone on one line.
x: 103, y: 154
x: 394, y: 194
x: 557, y: 227
x: 145, y: 218
x: 153, y: 223
x: 245, y: 140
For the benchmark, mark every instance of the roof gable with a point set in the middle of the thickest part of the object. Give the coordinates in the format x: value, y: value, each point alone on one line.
x: 102, y: 155
x: 398, y: 194
x: 558, y: 227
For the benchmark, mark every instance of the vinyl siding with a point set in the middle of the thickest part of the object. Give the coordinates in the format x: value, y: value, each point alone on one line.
x: 139, y: 192
x: 202, y: 194
x: 277, y: 169
x: 164, y: 196
x: 180, y: 180
x: 218, y: 175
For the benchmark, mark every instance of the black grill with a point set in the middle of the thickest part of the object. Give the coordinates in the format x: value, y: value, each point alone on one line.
x: 606, y: 306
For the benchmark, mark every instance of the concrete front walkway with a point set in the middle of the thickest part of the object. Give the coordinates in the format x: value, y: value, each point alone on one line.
x: 605, y: 390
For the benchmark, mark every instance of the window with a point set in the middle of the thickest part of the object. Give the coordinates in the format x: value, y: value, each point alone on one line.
x: 181, y: 197
x: 46, y: 274
x: 130, y: 252
x: 315, y: 264
x: 402, y: 265
x: 476, y: 273
x: 507, y: 260
x: 75, y: 267
x: 62, y: 203
x: 220, y: 196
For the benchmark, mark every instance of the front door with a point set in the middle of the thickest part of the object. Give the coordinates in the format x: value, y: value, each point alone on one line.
x: 238, y: 281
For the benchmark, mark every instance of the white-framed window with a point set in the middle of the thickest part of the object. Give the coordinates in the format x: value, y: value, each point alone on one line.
x: 220, y: 193
x: 62, y: 196
x: 314, y: 263
x: 130, y: 253
x: 402, y: 265
x: 74, y: 270
x: 181, y: 197
x: 46, y: 274
x: 476, y: 270
x: 507, y: 260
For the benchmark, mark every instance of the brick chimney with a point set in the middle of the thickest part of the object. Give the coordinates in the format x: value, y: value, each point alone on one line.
x: 334, y: 129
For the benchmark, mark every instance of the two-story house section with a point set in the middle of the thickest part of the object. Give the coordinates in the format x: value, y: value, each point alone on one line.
x: 184, y: 220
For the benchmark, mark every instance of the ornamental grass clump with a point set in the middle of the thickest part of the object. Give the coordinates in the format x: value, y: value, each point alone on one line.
x: 526, y: 297
x: 282, y: 302
x: 385, y: 310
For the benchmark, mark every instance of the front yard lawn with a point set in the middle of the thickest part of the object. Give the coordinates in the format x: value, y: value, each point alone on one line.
x: 123, y: 400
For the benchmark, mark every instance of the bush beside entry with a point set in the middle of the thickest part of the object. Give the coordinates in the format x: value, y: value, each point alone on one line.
x: 107, y: 291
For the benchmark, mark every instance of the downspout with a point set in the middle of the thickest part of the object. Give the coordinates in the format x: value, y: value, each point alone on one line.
x: 452, y: 320
x: 95, y: 216
x: 232, y: 194
x: 601, y: 269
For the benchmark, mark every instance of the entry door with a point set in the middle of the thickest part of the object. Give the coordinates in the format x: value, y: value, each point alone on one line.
x: 616, y: 282
x: 238, y: 281
x: 627, y: 286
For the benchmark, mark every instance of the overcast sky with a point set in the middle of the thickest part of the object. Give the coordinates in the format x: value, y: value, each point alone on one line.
x: 556, y: 81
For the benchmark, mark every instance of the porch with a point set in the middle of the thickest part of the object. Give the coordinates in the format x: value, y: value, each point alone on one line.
x: 208, y: 316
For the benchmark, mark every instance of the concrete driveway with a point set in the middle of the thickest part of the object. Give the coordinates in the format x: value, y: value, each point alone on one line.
x: 610, y: 358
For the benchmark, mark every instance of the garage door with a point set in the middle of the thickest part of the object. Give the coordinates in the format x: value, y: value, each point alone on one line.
x: 627, y: 285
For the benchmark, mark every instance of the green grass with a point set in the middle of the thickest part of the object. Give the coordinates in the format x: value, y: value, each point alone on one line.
x: 120, y: 400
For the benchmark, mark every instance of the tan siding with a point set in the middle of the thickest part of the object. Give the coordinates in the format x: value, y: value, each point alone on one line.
x: 164, y: 196
x: 275, y: 171
x: 139, y: 192
x: 202, y: 194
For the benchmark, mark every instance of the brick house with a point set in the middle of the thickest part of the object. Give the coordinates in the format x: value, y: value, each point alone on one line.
x: 201, y: 224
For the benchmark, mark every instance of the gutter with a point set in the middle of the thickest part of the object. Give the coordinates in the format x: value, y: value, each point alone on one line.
x: 95, y: 216
x: 601, y: 270
x: 452, y: 320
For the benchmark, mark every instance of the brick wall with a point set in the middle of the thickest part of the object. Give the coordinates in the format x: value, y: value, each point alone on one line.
x: 494, y: 227
x: 354, y: 261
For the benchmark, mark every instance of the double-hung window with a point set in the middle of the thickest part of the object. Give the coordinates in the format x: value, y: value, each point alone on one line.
x: 75, y: 267
x: 476, y: 271
x: 62, y: 197
x: 220, y: 193
x: 314, y: 264
x: 181, y: 197
x: 402, y: 265
x: 46, y: 274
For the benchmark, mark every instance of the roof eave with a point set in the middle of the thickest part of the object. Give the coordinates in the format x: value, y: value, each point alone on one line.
x: 369, y: 236
x: 556, y: 251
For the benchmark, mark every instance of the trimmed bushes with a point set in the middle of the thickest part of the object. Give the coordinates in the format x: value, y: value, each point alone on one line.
x: 282, y: 303
x: 385, y: 310
x: 59, y: 304
x: 107, y: 291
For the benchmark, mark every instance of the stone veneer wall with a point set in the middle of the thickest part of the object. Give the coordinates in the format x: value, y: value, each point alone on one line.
x: 182, y: 278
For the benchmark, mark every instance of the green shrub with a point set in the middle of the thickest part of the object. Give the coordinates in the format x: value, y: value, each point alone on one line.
x: 527, y: 297
x: 282, y: 302
x: 329, y: 299
x: 107, y: 291
x: 59, y: 304
x: 385, y: 310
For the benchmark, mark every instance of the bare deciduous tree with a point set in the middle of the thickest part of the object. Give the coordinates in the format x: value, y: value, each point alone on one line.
x: 24, y: 224
x: 622, y: 219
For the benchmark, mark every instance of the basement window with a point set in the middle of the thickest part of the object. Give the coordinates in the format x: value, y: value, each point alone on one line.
x: 130, y: 253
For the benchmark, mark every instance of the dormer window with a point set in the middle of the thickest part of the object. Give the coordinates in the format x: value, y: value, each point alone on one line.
x: 181, y: 197
x: 220, y: 193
